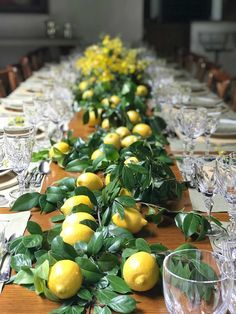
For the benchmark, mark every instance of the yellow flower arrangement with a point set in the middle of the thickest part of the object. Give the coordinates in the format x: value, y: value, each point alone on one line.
x: 109, y: 59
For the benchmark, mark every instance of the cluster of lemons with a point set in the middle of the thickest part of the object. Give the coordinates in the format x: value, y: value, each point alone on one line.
x: 140, y: 271
x: 109, y: 59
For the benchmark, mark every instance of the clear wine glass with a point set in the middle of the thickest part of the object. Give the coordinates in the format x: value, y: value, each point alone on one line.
x: 19, y: 143
x: 226, y: 180
x: 206, y: 182
x: 195, y: 281
x: 3, y: 199
x: 212, y: 120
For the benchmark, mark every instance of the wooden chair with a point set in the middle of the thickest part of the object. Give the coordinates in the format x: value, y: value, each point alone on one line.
x: 2, y: 90
x: 230, y: 94
x: 9, y: 78
x: 218, y: 81
x: 26, y: 67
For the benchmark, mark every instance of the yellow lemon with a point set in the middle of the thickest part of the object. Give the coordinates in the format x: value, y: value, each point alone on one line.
x: 105, y: 124
x: 93, y: 119
x: 115, y: 100
x: 97, y: 153
x: 142, y: 129
x: 129, y: 140
x: 132, y: 160
x: 123, y: 131
x: 76, y: 218
x: 141, y: 90
x: 107, y: 179
x: 83, y: 85
x: 113, y: 139
x: 61, y: 146
x: 65, y: 279
x: 141, y: 271
x: 133, y: 220
x: 73, y: 201
x: 134, y: 116
x: 88, y: 94
x: 125, y: 192
x: 76, y: 232
x: 90, y: 180
x: 105, y: 101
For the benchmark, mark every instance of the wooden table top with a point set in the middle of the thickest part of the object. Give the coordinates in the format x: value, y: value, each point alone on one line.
x: 19, y: 300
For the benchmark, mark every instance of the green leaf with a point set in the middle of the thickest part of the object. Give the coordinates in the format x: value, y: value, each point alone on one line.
x: 118, y: 208
x: 126, y: 201
x: 122, y: 304
x: 49, y: 295
x: 190, y: 225
x: 85, y: 294
x: 54, y: 194
x: 95, y: 244
x: 118, y: 284
x: 62, y: 249
x: 105, y: 296
x: 83, y: 190
x: 34, y: 228
x: 102, y: 310
x: 33, y: 240
x: 20, y: 260
x: 40, y: 155
x: 107, y: 261
x: 78, y: 165
x: 128, y: 252
x: 26, y: 202
x: 42, y: 271
x: 24, y: 277
x: 69, y: 182
x: 52, y: 233
x: 89, y: 270
x: 142, y: 245
x: 58, y: 218
x: 45, y: 206
x: 90, y: 223
x: 137, y: 168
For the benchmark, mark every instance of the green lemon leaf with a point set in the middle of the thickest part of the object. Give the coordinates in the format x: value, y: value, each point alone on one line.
x: 137, y: 168
x: 95, y: 244
x: 107, y: 261
x: 78, y: 165
x: 89, y: 270
x: 42, y: 271
x: 32, y: 241
x: 126, y: 201
x: 90, y: 223
x: 46, y: 206
x: 54, y: 194
x: 190, y: 225
x: 105, y: 296
x: 58, y: 218
x: 69, y: 182
x: 26, y: 202
x: 102, y: 310
x: 118, y: 284
x: 24, y: 277
x: 122, y: 304
x: 20, y: 260
x: 62, y: 249
x: 85, y: 294
x: 52, y: 233
x: 34, y: 228
x: 142, y: 245
x: 83, y: 190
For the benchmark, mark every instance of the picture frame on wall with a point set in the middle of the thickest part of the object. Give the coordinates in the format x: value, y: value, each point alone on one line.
x: 24, y: 6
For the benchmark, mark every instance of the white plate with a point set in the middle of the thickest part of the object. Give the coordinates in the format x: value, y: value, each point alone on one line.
x: 8, y: 180
x: 13, y: 104
x: 207, y: 102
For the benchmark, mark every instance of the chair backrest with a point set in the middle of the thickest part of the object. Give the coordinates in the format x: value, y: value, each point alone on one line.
x: 201, y: 69
x: 26, y: 67
x: 14, y: 76
x: 230, y: 94
x: 218, y: 81
x: 2, y: 90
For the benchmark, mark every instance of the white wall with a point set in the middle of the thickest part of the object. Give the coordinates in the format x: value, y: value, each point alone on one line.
x: 90, y: 18
x: 227, y: 59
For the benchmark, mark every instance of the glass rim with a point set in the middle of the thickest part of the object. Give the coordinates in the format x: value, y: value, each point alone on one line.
x: 192, y: 280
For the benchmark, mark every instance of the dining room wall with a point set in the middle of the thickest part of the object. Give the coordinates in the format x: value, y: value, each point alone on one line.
x: 89, y: 18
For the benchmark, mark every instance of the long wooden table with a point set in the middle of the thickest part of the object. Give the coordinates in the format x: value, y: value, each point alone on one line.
x: 19, y: 300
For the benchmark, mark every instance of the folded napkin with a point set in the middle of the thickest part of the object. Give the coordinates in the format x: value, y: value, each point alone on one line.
x: 14, y: 225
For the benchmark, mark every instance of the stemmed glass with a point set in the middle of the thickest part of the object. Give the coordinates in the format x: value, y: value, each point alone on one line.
x: 226, y: 179
x: 210, y: 127
x: 3, y: 199
x: 206, y: 182
x: 195, y: 281
x: 19, y: 143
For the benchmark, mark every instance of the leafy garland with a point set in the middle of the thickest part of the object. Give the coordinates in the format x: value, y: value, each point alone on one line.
x: 151, y: 182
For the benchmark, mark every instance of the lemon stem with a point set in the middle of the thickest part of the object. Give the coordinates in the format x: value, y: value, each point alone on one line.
x: 99, y: 216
